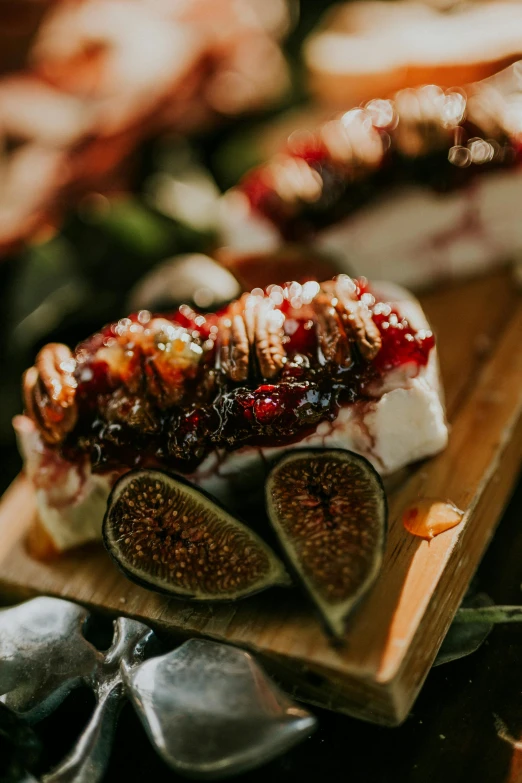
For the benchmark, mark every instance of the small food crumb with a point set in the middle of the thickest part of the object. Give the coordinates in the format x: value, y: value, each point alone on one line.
x: 442, y: 736
x: 123, y: 600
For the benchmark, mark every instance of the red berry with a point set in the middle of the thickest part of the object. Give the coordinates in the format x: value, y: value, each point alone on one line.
x: 266, y: 409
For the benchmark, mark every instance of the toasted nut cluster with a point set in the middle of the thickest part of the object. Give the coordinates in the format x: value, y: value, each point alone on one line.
x: 251, y: 333
x: 152, y: 357
x: 333, y: 340
x: 357, y: 319
x: 133, y: 410
x: 49, y: 389
x: 343, y: 321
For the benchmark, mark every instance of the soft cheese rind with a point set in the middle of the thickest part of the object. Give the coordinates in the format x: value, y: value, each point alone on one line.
x: 70, y: 499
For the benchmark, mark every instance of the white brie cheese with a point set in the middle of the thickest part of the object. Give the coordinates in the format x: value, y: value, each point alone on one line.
x: 404, y: 423
x: 412, y: 235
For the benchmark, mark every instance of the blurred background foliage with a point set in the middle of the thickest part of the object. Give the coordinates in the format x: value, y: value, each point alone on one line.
x: 63, y: 286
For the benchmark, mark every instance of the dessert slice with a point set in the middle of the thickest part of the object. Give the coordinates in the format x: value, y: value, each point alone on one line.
x: 216, y: 397
x: 363, y: 49
x: 416, y: 189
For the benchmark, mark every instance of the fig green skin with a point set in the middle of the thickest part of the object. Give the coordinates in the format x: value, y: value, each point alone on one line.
x: 335, y: 636
x: 284, y: 580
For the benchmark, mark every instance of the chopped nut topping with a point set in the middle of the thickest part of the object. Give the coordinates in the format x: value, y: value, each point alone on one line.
x: 157, y: 358
x: 132, y: 410
x: 49, y: 390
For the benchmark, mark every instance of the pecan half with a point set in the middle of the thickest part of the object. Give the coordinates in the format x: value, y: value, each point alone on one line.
x: 49, y: 390
x: 358, y: 321
x: 268, y: 341
x: 253, y: 328
x: 234, y: 351
x: 331, y: 334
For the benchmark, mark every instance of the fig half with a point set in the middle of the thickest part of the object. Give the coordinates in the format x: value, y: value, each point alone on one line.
x: 170, y: 537
x: 329, y: 510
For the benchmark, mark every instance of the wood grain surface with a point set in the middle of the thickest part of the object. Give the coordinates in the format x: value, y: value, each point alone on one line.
x: 392, y: 640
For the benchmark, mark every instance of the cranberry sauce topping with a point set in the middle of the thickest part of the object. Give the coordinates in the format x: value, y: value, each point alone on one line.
x: 425, y: 136
x: 152, y: 390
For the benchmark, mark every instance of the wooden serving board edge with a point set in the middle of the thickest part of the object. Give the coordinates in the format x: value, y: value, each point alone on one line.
x: 388, y: 699
x: 479, y: 468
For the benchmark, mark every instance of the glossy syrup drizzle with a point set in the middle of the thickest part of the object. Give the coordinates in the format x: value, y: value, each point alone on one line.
x: 429, y: 517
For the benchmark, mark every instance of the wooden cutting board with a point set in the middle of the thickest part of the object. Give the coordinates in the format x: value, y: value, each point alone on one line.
x: 394, y: 637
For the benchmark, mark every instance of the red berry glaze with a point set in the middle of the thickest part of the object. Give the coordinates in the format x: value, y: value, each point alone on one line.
x: 150, y: 392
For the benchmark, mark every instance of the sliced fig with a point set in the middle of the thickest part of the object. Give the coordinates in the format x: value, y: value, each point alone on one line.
x: 170, y: 537
x: 329, y: 510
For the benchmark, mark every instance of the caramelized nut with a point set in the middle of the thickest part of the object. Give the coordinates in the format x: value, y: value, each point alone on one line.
x: 251, y: 325
x: 49, y: 390
x: 235, y: 347
x: 358, y: 322
x: 333, y: 341
x: 270, y: 351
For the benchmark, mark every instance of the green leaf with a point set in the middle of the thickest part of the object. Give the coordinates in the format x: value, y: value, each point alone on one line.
x: 48, y: 285
x: 489, y: 614
x: 465, y: 636
x: 135, y: 227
